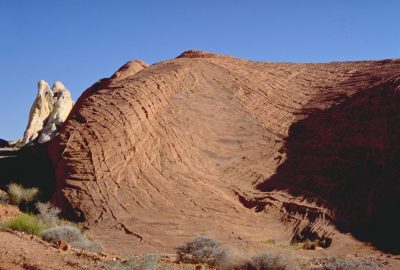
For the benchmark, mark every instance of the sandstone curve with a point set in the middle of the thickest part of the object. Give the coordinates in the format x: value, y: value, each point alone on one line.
x: 186, y: 146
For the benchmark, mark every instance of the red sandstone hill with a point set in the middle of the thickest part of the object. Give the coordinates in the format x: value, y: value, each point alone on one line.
x: 240, y: 150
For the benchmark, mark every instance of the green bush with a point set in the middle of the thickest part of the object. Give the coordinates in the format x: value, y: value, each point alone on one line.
x: 18, y: 194
x: 26, y: 223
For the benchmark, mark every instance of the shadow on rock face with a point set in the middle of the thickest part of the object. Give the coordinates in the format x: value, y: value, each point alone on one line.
x: 3, y: 143
x: 29, y: 166
x: 347, y: 158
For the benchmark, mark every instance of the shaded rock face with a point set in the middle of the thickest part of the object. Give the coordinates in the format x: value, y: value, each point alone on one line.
x: 3, y: 143
x: 209, y: 144
x: 49, y: 110
x: 29, y: 166
x: 346, y: 158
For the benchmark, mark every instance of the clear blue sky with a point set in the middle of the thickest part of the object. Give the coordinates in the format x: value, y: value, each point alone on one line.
x: 80, y: 41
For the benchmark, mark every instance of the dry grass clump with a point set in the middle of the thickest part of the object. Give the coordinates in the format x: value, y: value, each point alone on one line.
x: 72, y: 235
x: 18, y: 194
x: 202, y: 250
x: 267, y: 261
x: 3, y: 197
x: 149, y: 262
x: 48, y: 214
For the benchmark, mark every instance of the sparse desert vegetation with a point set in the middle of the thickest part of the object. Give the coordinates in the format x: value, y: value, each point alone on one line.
x: 72, y: 235
x: 209, y: 251
x: 348, y: 264
x: 202, y: 249
x: 48, y: 214
x: 267, y: 261
x: 3, y: 197
x: 18, y: 194
x: 46, y: 222
x: 149, y: 262
x: 26, y: 223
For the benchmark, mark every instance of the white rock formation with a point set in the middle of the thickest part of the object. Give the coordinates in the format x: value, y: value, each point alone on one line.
x: 62, y: 106
x: 40, y: 110
x: 49, y: 110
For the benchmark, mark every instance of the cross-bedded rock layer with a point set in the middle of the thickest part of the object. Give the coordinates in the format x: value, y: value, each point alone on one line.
x: 209, y: 144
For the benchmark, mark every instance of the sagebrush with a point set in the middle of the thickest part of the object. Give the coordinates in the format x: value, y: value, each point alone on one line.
x: 72, y: 235
x: 48, y: 214
x: 202, y: 249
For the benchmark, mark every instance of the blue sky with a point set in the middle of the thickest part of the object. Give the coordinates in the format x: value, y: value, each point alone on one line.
x: 80, y: 41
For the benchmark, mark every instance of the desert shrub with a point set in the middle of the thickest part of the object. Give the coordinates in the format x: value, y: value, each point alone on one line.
x: 72, y: 235
x: 347, y: 264
x: 26, y: 223
x: 149, y: 262
x: 18, y: 194
x: 202, y: 250
x: 3, y: 197
x: 266, y: 261
x: 48, y: 214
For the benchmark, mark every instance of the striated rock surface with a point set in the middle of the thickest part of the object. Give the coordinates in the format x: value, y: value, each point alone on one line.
x: 240, y: 150
x: 49, y: 110
x: 129, y: 69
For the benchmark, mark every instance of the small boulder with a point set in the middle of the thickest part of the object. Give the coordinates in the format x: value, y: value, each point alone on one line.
x: 62, y: 245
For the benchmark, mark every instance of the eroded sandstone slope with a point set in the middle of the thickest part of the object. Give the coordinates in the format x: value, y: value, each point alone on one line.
x: 240, y: 150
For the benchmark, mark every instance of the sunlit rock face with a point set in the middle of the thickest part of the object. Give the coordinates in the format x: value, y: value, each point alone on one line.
x: 49, y: 110
x: 236, y: 149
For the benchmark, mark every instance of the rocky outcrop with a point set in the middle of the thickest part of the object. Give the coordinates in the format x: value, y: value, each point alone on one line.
x: 188, y: 147
x: 61, y: 108
x: 49, y: 110
x: 130, y: 68
x: 40, y: 110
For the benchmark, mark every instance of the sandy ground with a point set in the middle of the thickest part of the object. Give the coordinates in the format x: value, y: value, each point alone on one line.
x: 23, y: 251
